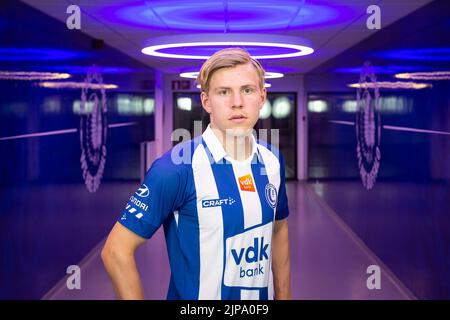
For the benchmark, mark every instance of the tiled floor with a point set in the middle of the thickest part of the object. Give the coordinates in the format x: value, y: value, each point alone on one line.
x: 328, y: 260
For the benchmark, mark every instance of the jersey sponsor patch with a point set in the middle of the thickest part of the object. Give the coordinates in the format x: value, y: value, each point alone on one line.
x: 246, y: 183
x: 249, y: 255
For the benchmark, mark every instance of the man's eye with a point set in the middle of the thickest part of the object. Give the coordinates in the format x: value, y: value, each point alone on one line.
x: 248, y: 90
x: 223, y: 92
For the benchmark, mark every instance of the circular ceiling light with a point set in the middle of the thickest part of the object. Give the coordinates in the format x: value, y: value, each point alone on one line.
x: 199, y: 46
x: 267, y: 85
x: 194, y: 75
x: 32, y: 75
x: 437, y: 75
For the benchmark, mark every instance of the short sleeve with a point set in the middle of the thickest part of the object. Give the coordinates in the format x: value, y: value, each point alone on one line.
x: 282, y: 203
x: 159, y: 195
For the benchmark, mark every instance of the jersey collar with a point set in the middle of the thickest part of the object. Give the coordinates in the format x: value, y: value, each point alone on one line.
x: 216, y: 148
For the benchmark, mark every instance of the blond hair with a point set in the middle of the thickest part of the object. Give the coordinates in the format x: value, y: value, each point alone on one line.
x: 227, y: 58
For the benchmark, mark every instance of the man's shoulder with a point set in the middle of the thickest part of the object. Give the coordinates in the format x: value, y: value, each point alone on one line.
x: 268, y: 149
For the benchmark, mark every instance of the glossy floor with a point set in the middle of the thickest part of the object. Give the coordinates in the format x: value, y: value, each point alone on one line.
x: 329, y: 261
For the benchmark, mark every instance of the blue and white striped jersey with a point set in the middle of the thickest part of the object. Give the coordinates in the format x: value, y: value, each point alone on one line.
x: 218, y: 216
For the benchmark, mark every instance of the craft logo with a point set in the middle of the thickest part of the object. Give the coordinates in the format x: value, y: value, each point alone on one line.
x: 93, y: 130
x: 217, y: 202
x: 271, y: 195
x: 246, y: 183
x: 368, y: 127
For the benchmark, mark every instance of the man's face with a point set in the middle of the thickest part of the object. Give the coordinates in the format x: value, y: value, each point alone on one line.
x: 234, y: 99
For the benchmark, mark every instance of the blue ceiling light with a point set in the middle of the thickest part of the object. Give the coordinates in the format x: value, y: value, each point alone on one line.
x: 418, y: 54
x: 38, y: 54
x: 227, y: 15
x: 200, y: 46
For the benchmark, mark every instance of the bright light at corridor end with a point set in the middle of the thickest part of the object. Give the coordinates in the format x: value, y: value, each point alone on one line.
x: 195, y: 46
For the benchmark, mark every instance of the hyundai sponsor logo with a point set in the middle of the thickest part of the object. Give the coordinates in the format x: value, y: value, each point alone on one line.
x: 143, y: 191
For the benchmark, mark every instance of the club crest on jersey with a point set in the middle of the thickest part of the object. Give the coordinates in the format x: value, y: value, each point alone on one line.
x: 271, y: 195
x: 246, y: 183
x: 143, y: 191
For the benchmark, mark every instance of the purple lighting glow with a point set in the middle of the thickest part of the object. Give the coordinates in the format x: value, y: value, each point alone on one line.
x: 226, y: 15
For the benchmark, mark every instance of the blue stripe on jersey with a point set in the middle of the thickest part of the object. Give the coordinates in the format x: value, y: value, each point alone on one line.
x: 184, y: 237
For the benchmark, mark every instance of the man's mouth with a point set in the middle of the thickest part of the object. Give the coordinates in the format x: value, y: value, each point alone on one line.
x: 238, y: 117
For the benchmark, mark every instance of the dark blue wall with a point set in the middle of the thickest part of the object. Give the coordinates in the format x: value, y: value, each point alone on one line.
x: 48, y: 219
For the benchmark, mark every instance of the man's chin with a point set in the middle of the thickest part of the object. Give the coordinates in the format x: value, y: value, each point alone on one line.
x: 238, y: 132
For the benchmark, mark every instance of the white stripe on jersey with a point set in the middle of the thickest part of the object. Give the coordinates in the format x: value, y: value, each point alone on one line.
x: 211, y: 228
x: 251, y: 203
x: 273, y: 173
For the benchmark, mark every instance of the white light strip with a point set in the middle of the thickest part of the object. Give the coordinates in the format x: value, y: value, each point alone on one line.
x: 415, y: 130
x: 395, y: 128
x: 153, y: 50
x: 436, y: 75
x: 76, y: 85
x: 32, y: 75
x: 391, y: 85
x: 59, y: 132
x: 125, y: 124
x: 40, y: 134
x: 348, y: 123
x: 268, y: 75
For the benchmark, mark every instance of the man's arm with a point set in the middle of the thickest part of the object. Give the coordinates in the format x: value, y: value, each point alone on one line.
x: 119, y: 261
x: 281, y: 261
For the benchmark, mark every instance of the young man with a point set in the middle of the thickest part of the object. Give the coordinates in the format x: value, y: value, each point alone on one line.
x: 223, y: 207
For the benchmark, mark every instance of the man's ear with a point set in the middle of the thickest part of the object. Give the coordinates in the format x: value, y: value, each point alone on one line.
x: 205, y: 102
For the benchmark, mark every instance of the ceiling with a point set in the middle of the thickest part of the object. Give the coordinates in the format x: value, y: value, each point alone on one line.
x: 331, y: 26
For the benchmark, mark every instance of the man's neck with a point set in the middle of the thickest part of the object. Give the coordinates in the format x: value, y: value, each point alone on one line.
x: 238, y: 147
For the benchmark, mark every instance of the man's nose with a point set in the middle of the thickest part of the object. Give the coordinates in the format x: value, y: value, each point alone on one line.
x: 237, y: 100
